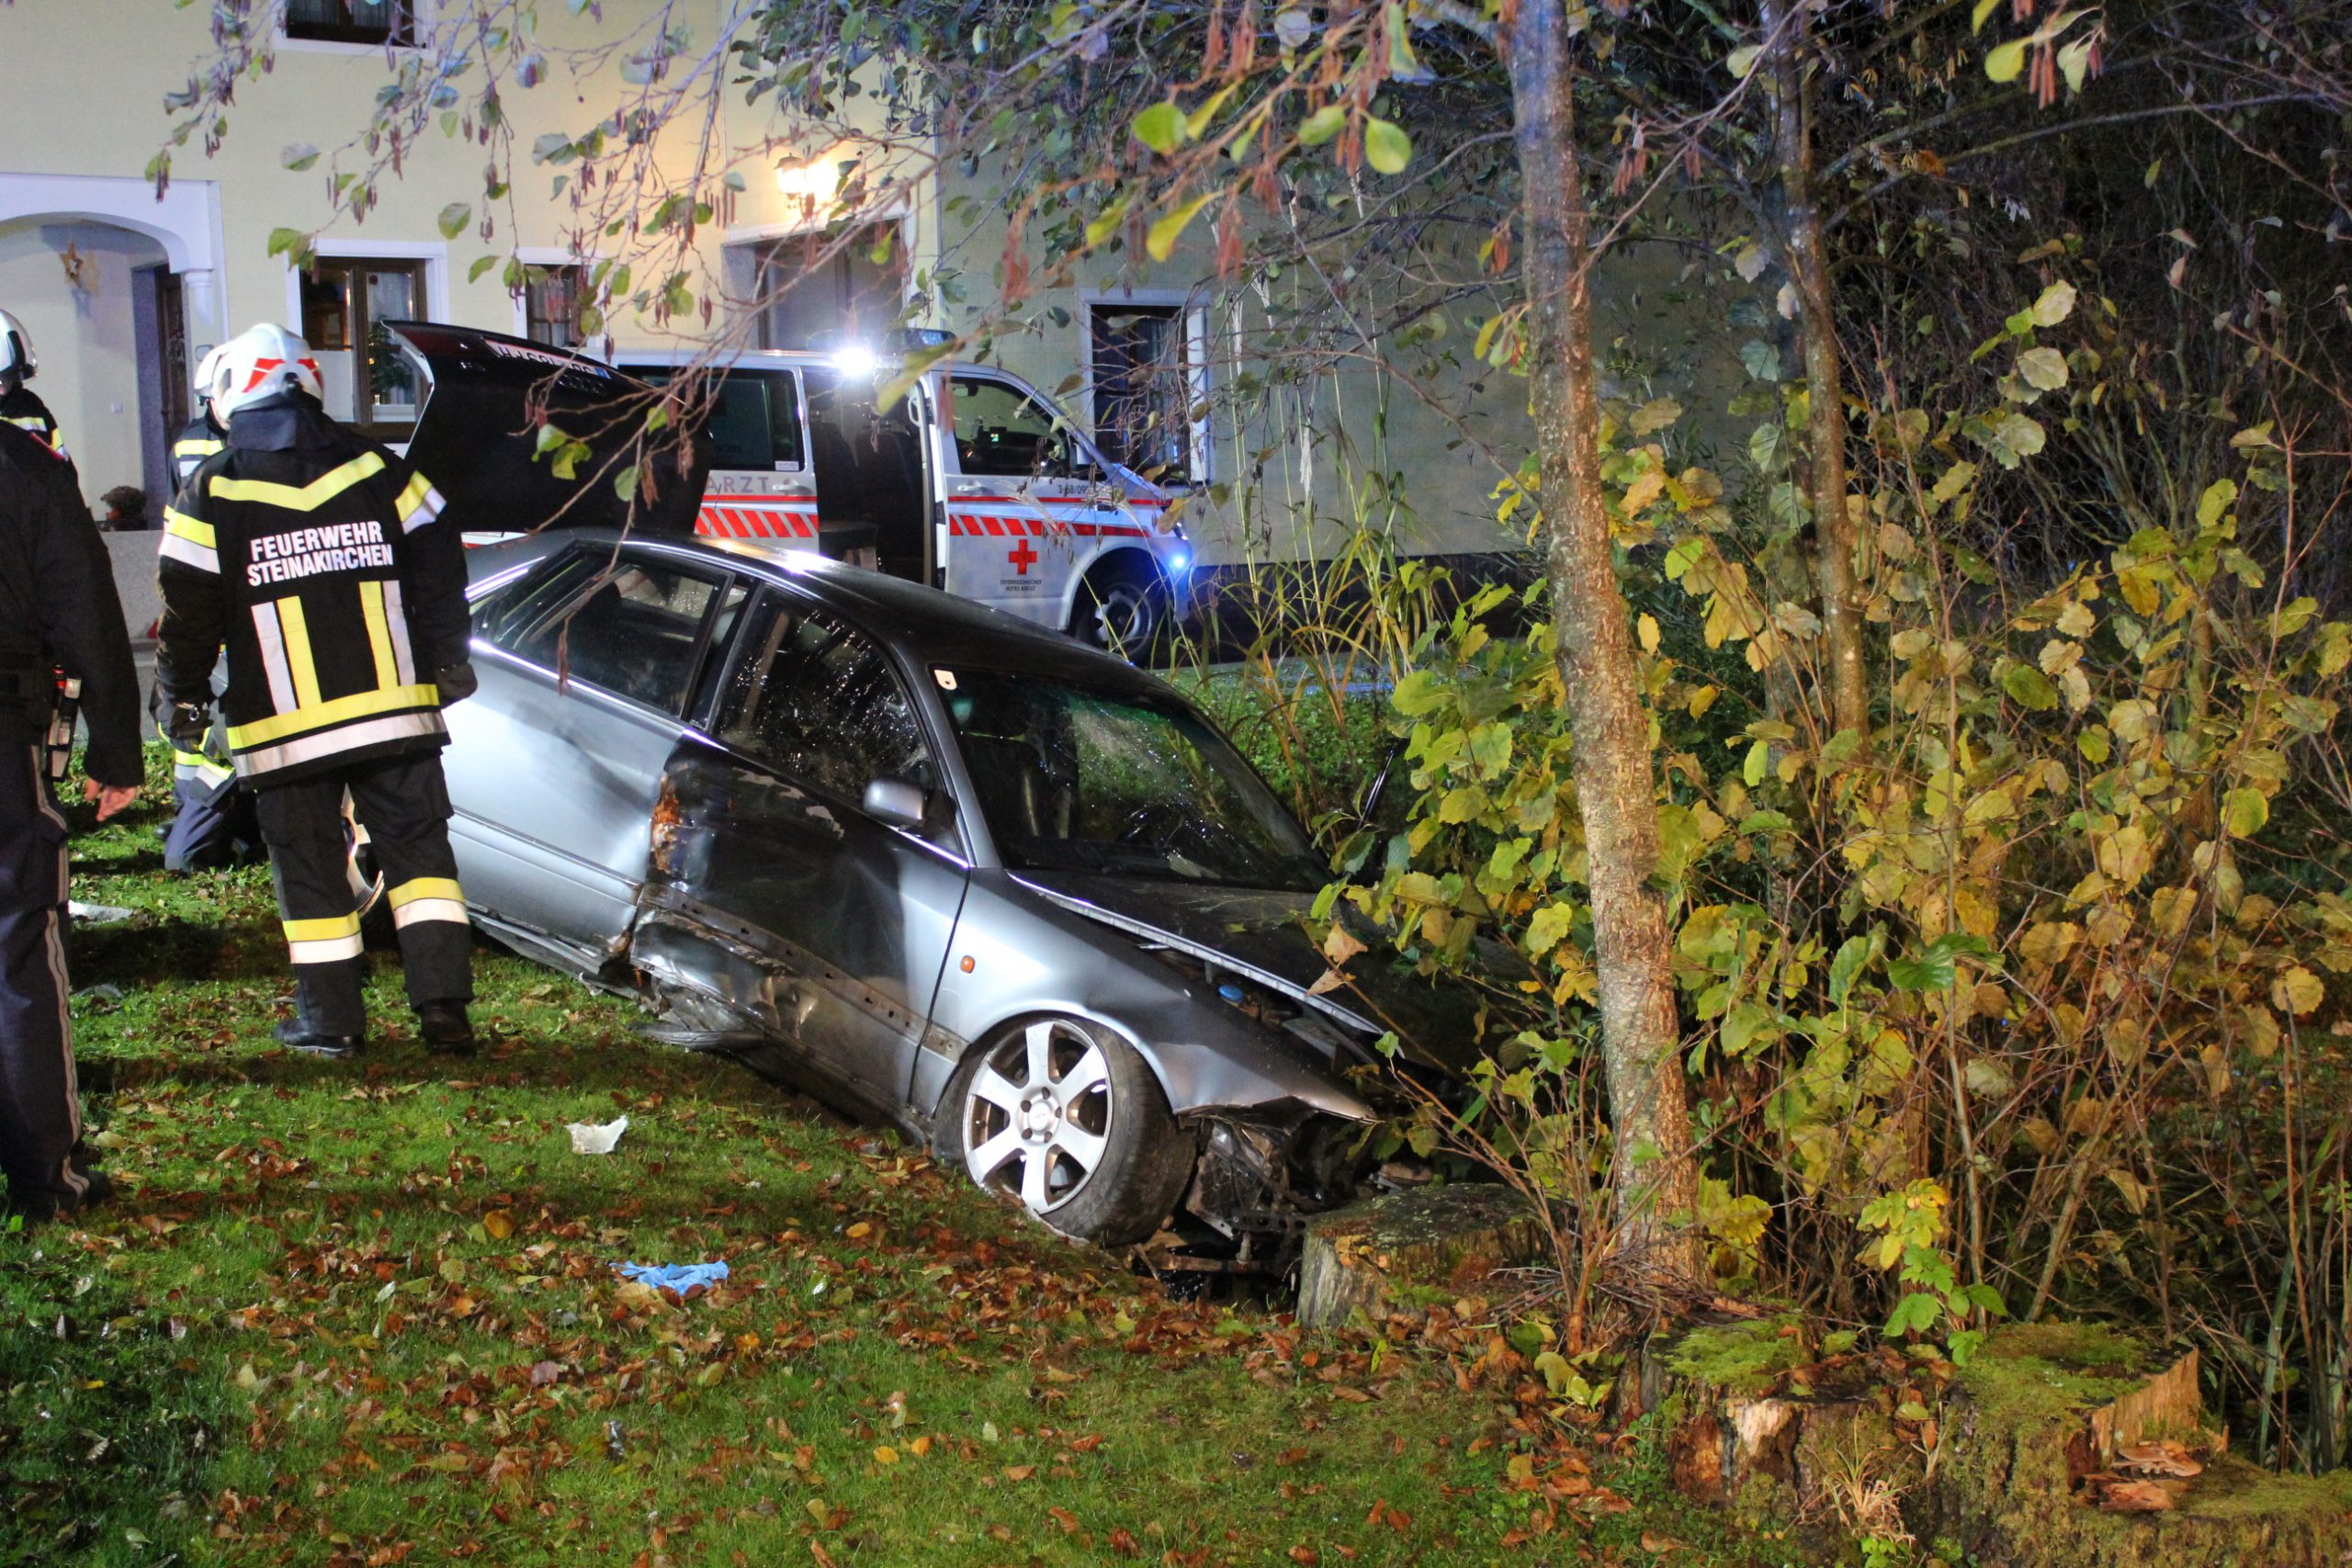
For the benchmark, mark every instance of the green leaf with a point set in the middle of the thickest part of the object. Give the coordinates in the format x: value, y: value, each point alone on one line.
x: 624, y: 484
x: 2044, y: 370
x: 481, y: 265
x: 2215, y: 502
x: 1741, y: 61
x: 1161, y: 128
x: 1977, y: 17
x: 1105, y: 223
x: 454, y: 218
x: 1915, y: 1314
x: 1385, y: 146
x: 283, y: 241
x: 1763, y: 361
x: 1935, y: 967
x: 1160, y: 239
x: 1323, y: 124
x: 1418, y: 693
x: 2029, y: 688
x: 2244, y: 811
x: 2055, y: 304
x: 1853, y: 954
x: 298, y: 156
x: 2006, y: 62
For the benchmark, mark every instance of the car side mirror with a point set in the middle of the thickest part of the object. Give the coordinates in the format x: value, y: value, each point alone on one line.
x: 895, y: 803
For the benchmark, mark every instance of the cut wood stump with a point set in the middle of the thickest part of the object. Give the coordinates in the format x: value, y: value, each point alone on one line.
x: 2058, y: 1445
x: 1407, y: 1252
x: 2067, y: 1443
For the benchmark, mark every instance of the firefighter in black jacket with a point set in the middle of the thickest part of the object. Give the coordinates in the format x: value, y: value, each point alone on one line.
x: 203, y: 435
x: 19, y: 404
x: 317, y: 557
x: 58, y: 612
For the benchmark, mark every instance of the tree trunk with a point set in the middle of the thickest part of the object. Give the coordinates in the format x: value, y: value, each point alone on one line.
x: 1786, y: 28
x: 1655, y: 1173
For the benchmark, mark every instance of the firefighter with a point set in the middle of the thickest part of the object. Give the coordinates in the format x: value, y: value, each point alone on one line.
x: 213, y: 825
x: 19, y: 404
x: 203, y: 435
x: 58, y: 614
x: 317, y: 557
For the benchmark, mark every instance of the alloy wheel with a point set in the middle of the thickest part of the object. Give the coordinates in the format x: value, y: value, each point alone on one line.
x: 1037, y: 1115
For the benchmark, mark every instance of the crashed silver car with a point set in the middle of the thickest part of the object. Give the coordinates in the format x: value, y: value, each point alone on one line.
x: 936, y: 864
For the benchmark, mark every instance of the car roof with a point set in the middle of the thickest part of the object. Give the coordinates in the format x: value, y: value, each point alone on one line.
x: 931, y: 626
x: 630, y: 360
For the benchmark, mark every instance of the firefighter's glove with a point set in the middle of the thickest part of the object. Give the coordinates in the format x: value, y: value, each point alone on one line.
x: 456, y: 683
x: 187, y: 724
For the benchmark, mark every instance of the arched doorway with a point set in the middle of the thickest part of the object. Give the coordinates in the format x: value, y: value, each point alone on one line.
x: 117, y: 289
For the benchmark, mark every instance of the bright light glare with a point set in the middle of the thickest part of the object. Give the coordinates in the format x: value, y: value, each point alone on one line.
x: 857, y: 362
x: 1179, y: 561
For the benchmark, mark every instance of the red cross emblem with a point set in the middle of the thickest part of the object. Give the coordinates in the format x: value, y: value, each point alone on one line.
x: 1022, y: 558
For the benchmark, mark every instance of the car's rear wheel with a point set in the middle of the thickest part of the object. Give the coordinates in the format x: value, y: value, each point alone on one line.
x: 1122, y: 606
x: 1068, y: 1118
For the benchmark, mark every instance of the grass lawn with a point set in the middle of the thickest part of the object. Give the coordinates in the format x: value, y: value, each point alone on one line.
x: 364, y: 1313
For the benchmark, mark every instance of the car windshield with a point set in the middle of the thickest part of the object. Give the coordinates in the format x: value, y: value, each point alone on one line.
x: 1076, y: 780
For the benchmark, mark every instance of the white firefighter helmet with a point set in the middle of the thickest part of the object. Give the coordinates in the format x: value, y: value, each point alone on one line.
x: 17, y: 360
x: 261, y: 362
x: 207, y: 368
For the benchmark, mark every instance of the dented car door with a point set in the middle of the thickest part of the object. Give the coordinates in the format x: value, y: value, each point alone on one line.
x: 587, y: 677
x: 779, y: 916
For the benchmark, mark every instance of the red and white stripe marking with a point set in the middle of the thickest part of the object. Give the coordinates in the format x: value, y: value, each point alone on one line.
x: 747, y: 517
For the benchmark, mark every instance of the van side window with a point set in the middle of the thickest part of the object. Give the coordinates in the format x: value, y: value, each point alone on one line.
x: 1001, y: 430
x: 754, y: 421
x: 820, y: 704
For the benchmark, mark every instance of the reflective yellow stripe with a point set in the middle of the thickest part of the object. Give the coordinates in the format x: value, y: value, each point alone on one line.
x: 418, y: 492
x: 427, y: 887
x: 298, y: 662
x: 326, y: 930
x: 303, y: 498
x: 189, y: 528
x: 359, y: 705
x: 196, y: 447
x: 379, y: 632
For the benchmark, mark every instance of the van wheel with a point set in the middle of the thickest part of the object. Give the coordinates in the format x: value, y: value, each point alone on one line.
x: 1121, y: 608
x: 1069, y: 1120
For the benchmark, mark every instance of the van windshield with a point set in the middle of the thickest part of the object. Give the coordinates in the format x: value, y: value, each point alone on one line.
x: 1071, y: 779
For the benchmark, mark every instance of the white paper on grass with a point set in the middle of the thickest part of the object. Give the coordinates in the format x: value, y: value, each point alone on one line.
x: 589, y: 1139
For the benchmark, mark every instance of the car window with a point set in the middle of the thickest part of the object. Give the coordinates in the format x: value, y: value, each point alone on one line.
x: 1076, y: 780
x: 754, y: 419
x: 1001, y: 430
x: 820, y: 702
x: 633, y: 628
x: 503, y: 614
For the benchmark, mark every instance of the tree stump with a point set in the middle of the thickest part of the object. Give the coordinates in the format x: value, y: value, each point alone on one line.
x: 2058, y: 1445
x: 1409, y: 1251
x: 2053, y: 1451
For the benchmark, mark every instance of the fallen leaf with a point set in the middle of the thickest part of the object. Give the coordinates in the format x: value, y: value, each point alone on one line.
x: 2136, y: 1497
x: 1019, y: 1471
x: 498, y: 1224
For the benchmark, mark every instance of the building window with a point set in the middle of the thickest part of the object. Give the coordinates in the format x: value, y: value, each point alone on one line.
x: 551, y: 300
x: 830, y: 287
x: 391, y: 22
x: 345, y: 302
x: 1148, y: 388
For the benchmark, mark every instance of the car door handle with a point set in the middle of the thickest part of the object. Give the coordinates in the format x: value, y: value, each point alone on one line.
x: 971, y: 489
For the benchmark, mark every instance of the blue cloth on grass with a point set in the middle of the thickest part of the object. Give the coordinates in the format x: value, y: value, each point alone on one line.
x: 678, y: 1277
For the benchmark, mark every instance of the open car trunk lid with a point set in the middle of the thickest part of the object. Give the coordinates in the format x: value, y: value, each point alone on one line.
x: 476, y: 437
x: 1262, y: 935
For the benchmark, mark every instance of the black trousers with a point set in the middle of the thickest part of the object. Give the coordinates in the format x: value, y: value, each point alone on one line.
x: 404, y: 805
x: 40, y: 1118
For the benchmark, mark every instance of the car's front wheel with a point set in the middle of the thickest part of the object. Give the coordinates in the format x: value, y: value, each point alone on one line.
x: 1068, y: 1119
